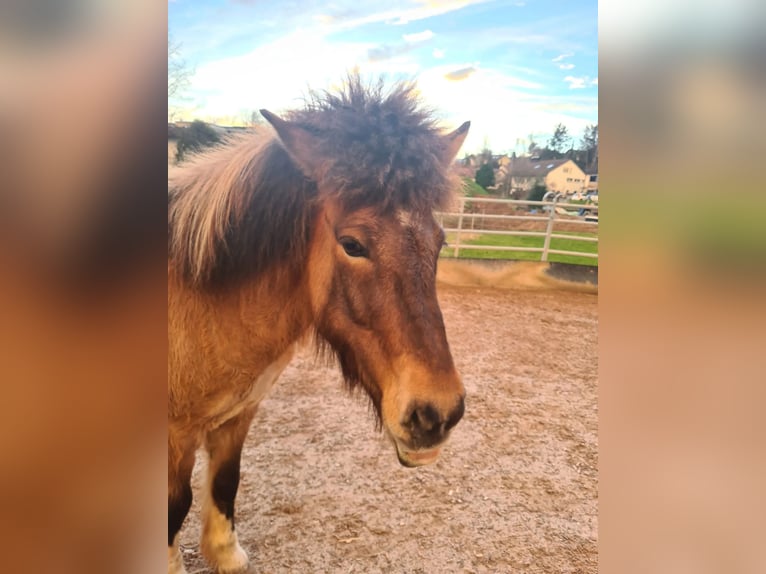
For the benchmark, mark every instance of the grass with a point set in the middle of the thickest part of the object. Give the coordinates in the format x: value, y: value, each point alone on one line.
x: 511, y: 240
x: 473, y: 189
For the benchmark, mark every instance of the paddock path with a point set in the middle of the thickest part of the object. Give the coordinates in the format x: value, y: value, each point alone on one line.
x: 515, y: 489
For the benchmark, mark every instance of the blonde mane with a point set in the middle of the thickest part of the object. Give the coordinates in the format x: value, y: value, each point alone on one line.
x: 232, y: 210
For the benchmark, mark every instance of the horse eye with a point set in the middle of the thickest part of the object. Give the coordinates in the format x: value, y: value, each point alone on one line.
x: 352, y: 247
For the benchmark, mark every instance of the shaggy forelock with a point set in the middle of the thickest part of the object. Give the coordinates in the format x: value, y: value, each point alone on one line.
x: 379, y: 148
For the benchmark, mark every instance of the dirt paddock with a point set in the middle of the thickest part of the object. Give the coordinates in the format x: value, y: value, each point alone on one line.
x: 515, y: 489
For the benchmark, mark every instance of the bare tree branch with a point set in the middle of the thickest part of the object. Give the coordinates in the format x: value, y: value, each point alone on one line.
x: 179, y: 72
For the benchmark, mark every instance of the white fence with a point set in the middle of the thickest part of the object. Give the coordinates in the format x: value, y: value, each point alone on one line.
x: 463, y: 222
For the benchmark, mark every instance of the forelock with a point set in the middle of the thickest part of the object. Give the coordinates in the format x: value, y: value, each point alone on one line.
x: 378, y: 148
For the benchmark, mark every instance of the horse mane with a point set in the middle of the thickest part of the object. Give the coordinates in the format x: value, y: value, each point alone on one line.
x: 244, y: 206
x: 237, y: 209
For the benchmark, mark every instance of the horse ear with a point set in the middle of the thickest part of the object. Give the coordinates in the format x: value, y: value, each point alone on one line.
x: 453, y: 141
x: 299, y: 143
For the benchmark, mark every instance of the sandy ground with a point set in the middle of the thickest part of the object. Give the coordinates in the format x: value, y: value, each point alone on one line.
x: 515, y: 489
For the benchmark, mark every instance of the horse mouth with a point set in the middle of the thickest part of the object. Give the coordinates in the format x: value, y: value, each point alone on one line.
x: 414, y: 458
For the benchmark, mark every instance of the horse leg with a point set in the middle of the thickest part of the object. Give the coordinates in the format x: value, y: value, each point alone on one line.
x: 180, y: 466
x: 219, y: 542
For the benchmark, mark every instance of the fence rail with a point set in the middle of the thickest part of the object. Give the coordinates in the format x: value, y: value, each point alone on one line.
x: 463, y: 231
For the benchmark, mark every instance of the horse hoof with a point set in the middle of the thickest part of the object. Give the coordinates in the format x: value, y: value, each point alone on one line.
x: 231, y: 561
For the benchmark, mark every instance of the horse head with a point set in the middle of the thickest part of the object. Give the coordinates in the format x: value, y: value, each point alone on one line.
x: 371, y: 267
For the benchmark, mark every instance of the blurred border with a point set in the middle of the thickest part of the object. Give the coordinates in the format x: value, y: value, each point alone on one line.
x: 83, y: 341
x: 683, y: 223
x: 82, y: 290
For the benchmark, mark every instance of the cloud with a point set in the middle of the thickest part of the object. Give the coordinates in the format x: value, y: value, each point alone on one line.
x: 387, y: 51
x: 562, y: 56
x: 575, y: 83
x: 504, y: 105
x: 499, y: 108
x: 418, y: 37
x: 326, y: 19
x: 520, y: 4
x: 566, y: 66
x: 514, y: 82
x: 429, y: 8
x: 461, y: 74
x: 566, y: 107
x: 399, y: 16
x: 503, y: 81
x: 273, y: 75
x: 580, y: 82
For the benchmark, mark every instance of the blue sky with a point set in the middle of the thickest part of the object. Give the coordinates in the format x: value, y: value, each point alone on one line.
x: 514, y: 68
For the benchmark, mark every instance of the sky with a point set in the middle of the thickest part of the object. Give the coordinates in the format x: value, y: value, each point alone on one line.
x: 514, y: 68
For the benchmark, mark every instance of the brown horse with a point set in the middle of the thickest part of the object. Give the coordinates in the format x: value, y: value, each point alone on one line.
x: 325, y: 228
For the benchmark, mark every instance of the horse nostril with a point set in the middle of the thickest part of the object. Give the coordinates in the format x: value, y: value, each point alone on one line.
x: 456, y: 414
x: 428, y: 426
x: 424, y: 418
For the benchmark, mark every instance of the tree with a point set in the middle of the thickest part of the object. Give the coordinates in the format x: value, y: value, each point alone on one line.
x: 196, y: 137
x: 485, y: 176
x: 537, y: 192
x: 179, y: 75
x: 179, y: 72
x: 577, y: 156
x: 250, y: 118
x: 486, y: 154
x: 589, y: 145
x: 533, y: 149
x: 548, y: 153
x: 560, y: 140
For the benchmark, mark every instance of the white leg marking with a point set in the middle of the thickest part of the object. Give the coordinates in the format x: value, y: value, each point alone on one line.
x: 175, y: 561
x: 219, y: 544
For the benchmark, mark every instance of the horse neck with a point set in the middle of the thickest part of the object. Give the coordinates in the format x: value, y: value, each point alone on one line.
x: 277, y: 305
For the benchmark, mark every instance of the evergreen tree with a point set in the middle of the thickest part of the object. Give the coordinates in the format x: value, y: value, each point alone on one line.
x: 485, y: 176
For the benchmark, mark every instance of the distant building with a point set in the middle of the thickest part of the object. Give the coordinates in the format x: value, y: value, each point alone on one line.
x: 592, y: 181
x: 560, y: 175
x: 472, y: 161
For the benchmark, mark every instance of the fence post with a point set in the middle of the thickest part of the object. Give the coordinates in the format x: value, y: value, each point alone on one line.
x: 549, y: 229
x: 459, y: 228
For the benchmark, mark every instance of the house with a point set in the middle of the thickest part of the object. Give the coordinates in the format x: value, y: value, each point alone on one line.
x: 501, y: 160
x: 592, y: 180
x: 560, y: 175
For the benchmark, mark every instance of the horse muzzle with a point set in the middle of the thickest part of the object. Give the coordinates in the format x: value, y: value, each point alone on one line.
x: 425, y: 428
x: 414, y: 458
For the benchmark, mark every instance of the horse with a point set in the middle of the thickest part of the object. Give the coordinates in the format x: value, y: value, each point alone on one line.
x: 318, y: 227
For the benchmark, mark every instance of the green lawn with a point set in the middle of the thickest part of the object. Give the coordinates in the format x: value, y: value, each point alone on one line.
x: 473, y: 189
x: 510, y: 240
